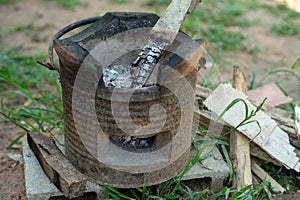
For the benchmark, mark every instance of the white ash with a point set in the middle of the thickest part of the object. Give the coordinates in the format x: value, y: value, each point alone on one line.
x: 118, y: 76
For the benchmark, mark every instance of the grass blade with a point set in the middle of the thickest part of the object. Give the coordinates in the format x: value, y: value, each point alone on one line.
x: 228, y: 161
x: 235, y: 101
x: 296, y: 64
x: 19, y: 87
x: 114, y: 192
x: 16, y: 140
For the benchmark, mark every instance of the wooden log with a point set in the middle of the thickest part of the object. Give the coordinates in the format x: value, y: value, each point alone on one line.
x: 257, y: 170
x: 58, y: 169
x: 240, y: 144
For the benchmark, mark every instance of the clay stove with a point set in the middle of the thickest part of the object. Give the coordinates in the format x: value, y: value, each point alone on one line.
x: 121, y: 136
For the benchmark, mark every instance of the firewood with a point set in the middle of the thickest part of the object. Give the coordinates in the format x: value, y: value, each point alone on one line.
x: 58, y: 169
x: 256, y: 169
x: 265, y: 132
x: 240, y: 144
x: 203, y: 118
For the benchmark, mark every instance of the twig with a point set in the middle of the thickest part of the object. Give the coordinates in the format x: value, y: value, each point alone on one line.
x: 48, y: 65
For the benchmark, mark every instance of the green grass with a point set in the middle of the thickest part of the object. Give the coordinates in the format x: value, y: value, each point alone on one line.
x: 156, y: 3
x: 276, y: 69
x: 287, y: 178
x: 217, y: 21
x: 24, y: 69
x: 63, y: 3
x: 279, y: 10
x: 119, y: 1
x: 287, y: 28
x: 7, y: 1
x: 19, y: 75
x: 69, y: 3
x: 214, y: 20
x: 33, y: 113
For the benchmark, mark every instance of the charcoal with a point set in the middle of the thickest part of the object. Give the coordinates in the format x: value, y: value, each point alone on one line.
x: 133, y: 143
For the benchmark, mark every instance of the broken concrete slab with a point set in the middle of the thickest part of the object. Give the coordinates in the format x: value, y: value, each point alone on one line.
x: 213, y: 166
x: 39, y: 187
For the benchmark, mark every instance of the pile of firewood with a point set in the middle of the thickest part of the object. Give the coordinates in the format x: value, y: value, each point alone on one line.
x: 276, y: 142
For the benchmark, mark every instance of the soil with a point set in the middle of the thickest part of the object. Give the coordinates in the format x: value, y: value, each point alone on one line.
x: 47, y: 18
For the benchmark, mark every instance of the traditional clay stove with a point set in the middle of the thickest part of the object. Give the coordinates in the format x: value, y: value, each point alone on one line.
x: 121, y: 136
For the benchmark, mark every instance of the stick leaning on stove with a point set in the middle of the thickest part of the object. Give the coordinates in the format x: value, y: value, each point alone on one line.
x: 163, y: 33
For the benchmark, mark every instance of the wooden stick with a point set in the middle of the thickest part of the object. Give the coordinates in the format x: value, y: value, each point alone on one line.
x: 58, y: 169
x: 258, y: 171
x: 256, y: 182
x: 240, y: 144
x: 162, y: 34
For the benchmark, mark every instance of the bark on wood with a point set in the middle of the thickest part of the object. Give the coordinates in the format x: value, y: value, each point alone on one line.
x: 58, y: 169
x: 240, y: 144
x: 256, y: 169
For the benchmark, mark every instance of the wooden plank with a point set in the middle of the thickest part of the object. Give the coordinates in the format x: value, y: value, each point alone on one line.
x: 167, y: 27
x: 58, y: 169
x: 162, y: 34
x: 257, y: 170
x: 256, y: 182
x: 240, y: 144
x: 271, y: 138
x: 223, y: 96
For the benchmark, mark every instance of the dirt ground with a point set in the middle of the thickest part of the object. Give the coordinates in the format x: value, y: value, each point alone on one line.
x: 48, y: 18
